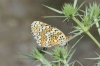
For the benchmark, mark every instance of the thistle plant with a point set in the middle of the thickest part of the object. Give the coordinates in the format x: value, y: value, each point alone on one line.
x: 90, y: 17
x: 61, y: 56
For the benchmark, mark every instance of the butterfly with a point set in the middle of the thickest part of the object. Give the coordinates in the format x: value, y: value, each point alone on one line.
x: 47, y: 35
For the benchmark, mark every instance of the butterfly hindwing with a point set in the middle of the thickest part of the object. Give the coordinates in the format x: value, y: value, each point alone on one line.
x: 47, y: 35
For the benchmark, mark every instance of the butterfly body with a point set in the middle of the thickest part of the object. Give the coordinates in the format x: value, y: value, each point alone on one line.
x: 47, y: 35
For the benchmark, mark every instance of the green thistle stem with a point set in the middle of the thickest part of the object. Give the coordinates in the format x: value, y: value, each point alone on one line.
x: 45, y: 62
x: 86, y: 31
x: 98, y: 27
x: 90, y: 35
x: 65, y: 63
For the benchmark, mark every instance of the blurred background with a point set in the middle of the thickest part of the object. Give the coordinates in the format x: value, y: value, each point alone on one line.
x: 16, y: 17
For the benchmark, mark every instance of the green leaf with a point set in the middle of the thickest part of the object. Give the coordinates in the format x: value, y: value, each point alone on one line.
x: 53, y: 9
x: 54, y: 16
x: 70, y: 55
x: 75, y: 2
